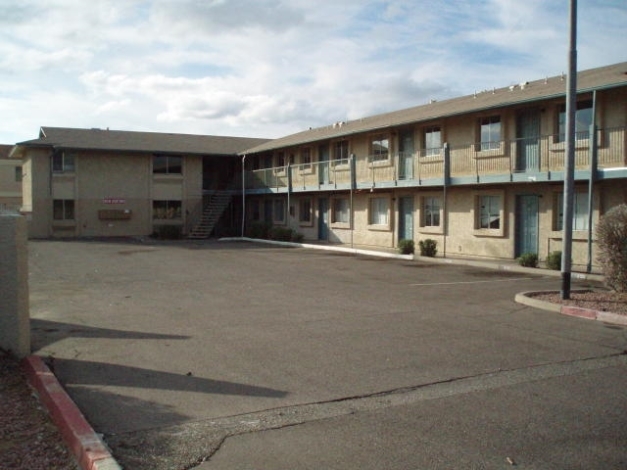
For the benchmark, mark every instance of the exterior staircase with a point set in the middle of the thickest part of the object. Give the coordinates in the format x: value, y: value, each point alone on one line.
x: 211, y: 213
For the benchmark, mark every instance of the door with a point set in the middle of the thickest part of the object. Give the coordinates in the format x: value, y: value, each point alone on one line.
x: 406, y: 155
x: 406, y: 218
x: 323, y: 159
x: 323, y: 219
x: 527, y: 209
x: 528, y: 140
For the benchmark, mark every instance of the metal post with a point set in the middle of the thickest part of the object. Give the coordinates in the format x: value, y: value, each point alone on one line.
x: 447, y: 177
x: 243, y: 194
x: 569, y: 163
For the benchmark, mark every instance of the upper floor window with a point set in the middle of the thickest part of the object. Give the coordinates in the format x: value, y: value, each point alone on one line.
x: 490, y: 128
x: 63, y: 209
x: 280, y: 159
x: 167, y: 164
x: 340, y: 150
x: 583, y: 121
x: 62, y: 162
x: 305, y: 158
x: 432, y: 141
x: 18, y: 174
x: 380, y: 148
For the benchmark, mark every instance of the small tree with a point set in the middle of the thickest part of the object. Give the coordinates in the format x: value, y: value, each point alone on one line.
x: 612, y: 240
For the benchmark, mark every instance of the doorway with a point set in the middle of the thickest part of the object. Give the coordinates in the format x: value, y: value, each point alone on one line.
x: 406, y: 218
x: 323, y: 219
x: 528, y: 140
x: 527, y: 213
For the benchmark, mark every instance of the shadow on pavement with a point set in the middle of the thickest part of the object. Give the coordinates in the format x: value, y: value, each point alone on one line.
x: 46, y: 332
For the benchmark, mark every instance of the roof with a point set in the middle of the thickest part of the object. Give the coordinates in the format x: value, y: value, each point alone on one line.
x: 5, y: 150
x: 145, y: 142
x: 553, y: 87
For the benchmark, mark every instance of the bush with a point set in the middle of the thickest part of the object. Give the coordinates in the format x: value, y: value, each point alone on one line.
x: 612, y: 240
x: 428, y: 247
x: 406, y: 247
x: 282, y: 234
x: 258, y: 230
x: 528, y: 260
x: 554, y: 260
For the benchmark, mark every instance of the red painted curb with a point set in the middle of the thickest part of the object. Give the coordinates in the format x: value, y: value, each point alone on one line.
x: 84, y: 443
x: 579, y: 312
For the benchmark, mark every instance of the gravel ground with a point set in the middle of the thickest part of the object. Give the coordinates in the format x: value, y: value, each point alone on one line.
x: 28, y: 438
x: 30, y: 441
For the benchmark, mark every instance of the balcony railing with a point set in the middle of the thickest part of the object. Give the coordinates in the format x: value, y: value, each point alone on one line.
x: 543, y: 155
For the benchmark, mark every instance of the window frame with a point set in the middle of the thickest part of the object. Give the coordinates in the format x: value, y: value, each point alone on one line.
x: 580, y: 217
x: 63, y: 162
x: 375, y: 223
x: 306, y: 160
x: 279, y: 216
x: 343, y: 211
x: 581, y: 135
x: 488, y: 122
x: 303, y: 211
x: 497, y: 196
x: 377, y: 156
x: 169, y: 167
x: 18, y: 174
x: 67, y: 208
x: 430, y: 151
x: 338, y: 149
x: 174, y: 205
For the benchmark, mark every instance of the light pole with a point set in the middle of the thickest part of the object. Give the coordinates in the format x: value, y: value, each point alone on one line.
x: 569, y: 163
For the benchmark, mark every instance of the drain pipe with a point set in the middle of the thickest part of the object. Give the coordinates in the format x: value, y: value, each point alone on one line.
x: 243, y: 193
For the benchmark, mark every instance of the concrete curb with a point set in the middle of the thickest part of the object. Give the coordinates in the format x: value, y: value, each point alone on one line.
x: 87, y: 447
x: 606, y: 317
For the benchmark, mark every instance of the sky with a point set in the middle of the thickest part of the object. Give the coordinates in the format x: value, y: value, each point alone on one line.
x: 270, y: 68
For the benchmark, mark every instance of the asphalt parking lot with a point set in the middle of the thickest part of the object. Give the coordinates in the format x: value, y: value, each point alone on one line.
x: 244, y: 356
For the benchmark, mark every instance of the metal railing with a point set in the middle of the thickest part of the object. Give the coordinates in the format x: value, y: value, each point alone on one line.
x: 542, y: 154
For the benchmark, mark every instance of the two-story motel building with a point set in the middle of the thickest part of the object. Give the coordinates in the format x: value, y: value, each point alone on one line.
x: 480, y: 174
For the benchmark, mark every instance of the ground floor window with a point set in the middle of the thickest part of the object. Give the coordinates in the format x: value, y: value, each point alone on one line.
x: 489, y: 212
x: 278, y: 211
x: 165, y: 210
x: 580, y: 211
x: 63, y: 209
x: 379, y: 208
x: 431, y: 211
x: 304, y: 211
x: 340, y: 213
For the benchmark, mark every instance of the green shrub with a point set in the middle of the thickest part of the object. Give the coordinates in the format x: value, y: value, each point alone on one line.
x: 297, y: 237
x: 554, y: 260
x: 528, y: 260
x: 428, y: 247
x: 282, y: 234
x: 258, y: 230
x: 406, y: 247
x: 612, y: 241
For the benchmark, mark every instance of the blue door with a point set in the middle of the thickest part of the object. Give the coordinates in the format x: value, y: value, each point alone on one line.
x: 527, y: 209
x: 406, y: 218
x: 323, y: 219
x: 528, y: 141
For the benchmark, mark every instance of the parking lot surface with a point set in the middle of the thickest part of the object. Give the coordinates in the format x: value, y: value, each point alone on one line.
x: 237, y: 355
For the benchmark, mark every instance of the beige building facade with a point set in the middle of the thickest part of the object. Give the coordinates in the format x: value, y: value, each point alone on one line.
x: 102, y: 183
x: 482, y: 175
x: 10, y: 181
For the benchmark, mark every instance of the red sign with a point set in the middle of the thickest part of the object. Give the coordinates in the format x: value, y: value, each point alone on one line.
x: 113, y: 200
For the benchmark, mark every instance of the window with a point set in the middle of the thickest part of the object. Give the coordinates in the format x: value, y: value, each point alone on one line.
x: 62, y: 162
x: 167, y: 165
x: 380, y: 148
x: 340, y: 150
x: 304, y: 211
x: 580, y: 211
x: 489, y: 212
x: 18, y: 174
x: 166, y: 210
x: 431, y: 211
x: 305, y: 158
x: 433, y: 141
x: 63, y: 209
x: 278, y: 211
x: 379, y: 207
x: 490, y: 133
x: 340, y: 212
x: 583, y: 121
x: 280, y: 159
x: 256, y: 210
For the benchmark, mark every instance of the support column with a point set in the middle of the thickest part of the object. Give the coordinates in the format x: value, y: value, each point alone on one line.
x: 14, y: 308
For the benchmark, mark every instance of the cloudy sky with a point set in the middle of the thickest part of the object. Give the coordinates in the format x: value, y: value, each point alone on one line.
x: 267, y: 68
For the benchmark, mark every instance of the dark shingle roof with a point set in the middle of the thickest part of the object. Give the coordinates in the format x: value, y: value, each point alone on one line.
x: 5, y: 150
x: 588, y: 80
x: 148, y: 142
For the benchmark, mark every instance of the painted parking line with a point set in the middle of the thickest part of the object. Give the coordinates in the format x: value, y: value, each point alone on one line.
x: 474, y: 282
